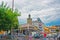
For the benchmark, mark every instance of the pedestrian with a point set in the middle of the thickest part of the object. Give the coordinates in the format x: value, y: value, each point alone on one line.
x: 44, y: 36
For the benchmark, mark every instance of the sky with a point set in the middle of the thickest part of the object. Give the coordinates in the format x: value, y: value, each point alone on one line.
x: 47, y: 10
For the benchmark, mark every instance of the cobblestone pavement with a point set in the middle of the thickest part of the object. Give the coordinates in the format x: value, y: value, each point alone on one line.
x: 43, y: 39
x: 35, y: 39
x: 27, y: 38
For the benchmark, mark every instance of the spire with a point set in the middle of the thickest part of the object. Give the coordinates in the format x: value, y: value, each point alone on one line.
x: 29, y: 16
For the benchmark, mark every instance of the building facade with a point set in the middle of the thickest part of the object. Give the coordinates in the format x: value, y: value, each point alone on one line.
x: 32, y: 26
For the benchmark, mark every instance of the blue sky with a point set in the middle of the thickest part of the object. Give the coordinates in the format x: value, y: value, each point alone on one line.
x: 47, y: 10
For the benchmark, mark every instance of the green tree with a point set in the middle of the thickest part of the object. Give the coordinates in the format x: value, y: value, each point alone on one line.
x: 8, y: 18
x: 57, y: 31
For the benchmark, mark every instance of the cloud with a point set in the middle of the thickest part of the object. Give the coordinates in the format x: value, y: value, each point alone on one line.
x: 43, y: 9
x: 47, y: 10
x: 46, y: 15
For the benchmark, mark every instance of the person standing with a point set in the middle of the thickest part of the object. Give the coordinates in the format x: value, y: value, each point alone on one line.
x: 45, y: 36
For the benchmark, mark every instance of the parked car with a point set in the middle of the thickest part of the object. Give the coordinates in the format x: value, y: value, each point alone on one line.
x: 36, y: 35
x: 41, y: 36
x: 58, y: 38
x: 51, y: 35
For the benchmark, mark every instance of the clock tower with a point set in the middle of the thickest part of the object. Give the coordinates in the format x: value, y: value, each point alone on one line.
x: 29, y: 19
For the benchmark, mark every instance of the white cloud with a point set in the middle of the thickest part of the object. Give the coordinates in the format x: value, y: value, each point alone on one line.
x: 45, y: 9
x: 49, y: 13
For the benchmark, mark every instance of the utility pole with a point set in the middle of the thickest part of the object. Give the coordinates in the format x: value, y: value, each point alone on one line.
x: 12, y: 11
x: 12, y: 5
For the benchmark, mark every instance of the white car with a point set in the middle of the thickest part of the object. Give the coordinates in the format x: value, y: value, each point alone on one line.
x: 58, y: 37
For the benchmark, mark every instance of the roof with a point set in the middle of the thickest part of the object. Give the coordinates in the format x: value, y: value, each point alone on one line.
x: 2, y: 32
x: 27, y: 25
x: 53, y: 27
x: 39, y: 20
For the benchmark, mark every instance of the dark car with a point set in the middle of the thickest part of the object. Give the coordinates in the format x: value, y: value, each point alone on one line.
x: 58, y: 38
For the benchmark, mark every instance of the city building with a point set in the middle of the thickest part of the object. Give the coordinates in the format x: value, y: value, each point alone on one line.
x: 39, y: 24
x: 32, y: 26
x: 28, y: 28
x: 53, y: 29
x: 50, y: 30
x: 46, y: 30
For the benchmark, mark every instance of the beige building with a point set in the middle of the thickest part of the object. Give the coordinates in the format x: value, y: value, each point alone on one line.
x: 46, y: 30
x: 50, y: 30
x: 28, y: 28
x: 53, y: 29
x: 32, y: 26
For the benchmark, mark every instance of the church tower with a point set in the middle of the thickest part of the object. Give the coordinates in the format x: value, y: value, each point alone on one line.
x: 29, y: 19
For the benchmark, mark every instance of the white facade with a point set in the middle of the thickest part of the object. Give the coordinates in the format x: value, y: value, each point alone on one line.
x: 38, y: 24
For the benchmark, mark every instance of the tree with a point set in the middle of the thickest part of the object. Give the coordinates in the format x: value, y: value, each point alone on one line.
x: 57, y: 30
x: 8, y: 18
